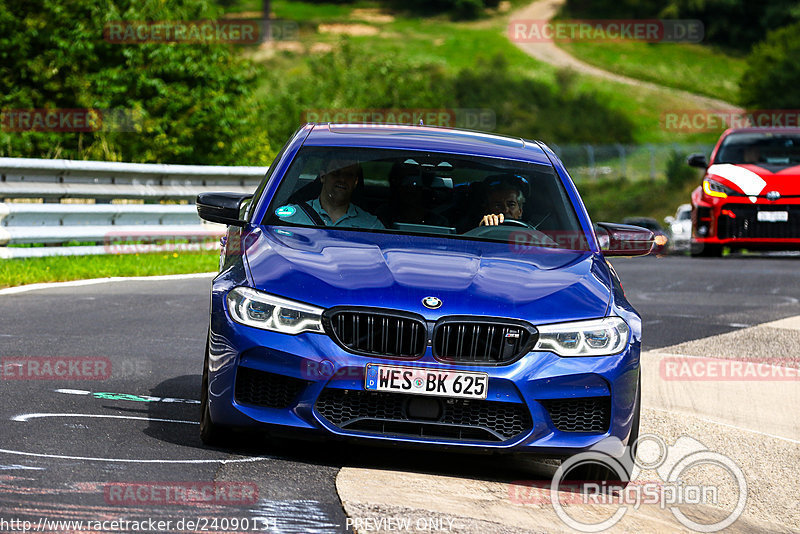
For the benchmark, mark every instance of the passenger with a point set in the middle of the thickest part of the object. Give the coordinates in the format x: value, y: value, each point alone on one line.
x: 333, y: 206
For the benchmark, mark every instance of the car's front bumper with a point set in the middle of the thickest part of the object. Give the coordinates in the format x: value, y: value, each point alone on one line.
x: 734, y: 222
x: 306, y: 370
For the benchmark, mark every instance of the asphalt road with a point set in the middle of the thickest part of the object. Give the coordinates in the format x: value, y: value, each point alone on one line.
x: 682, y: 299
x: 82, y: 449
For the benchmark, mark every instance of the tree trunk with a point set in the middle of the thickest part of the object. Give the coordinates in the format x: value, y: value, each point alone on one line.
x: 266, y: 34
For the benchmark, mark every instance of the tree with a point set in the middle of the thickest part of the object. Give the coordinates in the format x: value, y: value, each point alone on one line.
x: 772, y: 77
x: 189, y: 103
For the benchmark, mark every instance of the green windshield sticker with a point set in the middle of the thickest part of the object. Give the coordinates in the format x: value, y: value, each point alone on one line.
x: 285, y: 211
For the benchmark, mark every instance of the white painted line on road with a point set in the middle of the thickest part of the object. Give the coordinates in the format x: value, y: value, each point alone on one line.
x: 707, y: 420
x: 134, y: 461
x: 16, y: 467
x: 24, y: 418
x: 92, y: 281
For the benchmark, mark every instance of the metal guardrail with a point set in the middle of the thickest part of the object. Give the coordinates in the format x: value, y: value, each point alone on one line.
x: 109, y: 228
x: 103, y: 180
x: 51, y: 181
x: 634, y: 162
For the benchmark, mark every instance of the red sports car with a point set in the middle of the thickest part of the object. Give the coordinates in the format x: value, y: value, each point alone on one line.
x: 750, y: 196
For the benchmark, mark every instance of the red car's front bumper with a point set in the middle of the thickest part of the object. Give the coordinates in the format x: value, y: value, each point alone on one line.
x: 738, y: 222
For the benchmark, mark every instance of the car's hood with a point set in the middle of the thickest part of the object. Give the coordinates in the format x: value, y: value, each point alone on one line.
x: 328, y: 267
x: 755, y: 180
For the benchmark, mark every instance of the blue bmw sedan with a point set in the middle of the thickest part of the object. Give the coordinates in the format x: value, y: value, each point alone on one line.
x: 420, y: 286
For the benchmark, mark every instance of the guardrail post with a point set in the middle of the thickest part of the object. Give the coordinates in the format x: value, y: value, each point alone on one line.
x: 590, y: 157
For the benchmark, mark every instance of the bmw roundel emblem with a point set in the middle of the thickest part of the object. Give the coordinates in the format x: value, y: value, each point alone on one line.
x: 431, y: 302
x: 773, y: 195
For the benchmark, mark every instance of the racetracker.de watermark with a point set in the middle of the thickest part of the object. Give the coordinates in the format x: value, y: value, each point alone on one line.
x: 230, y: 31
x: 693, y: 369
x: 55, y: 368
x: 180, y: 493
x: 153, y: 241
x: 692, y: 120
x: 474, y: 118
x: 70, y: 120
x: 605, y: 30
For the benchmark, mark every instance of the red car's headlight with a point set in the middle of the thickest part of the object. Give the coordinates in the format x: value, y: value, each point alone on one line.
x: 713, y: 188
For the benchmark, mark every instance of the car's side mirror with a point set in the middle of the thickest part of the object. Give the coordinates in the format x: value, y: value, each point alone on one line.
x: 224, y: 208
x: 697, y: 160
x: 624, y: 239
x: 669, y: 219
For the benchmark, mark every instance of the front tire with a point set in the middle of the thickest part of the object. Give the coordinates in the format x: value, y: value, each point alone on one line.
x: 705, y: 250
x: 211, y: 433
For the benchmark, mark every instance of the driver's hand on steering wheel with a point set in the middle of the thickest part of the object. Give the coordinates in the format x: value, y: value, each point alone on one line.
x: 492, y: 219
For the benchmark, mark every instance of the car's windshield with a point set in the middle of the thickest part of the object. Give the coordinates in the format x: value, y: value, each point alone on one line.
x: 402, y: 191
x: 760, y: 148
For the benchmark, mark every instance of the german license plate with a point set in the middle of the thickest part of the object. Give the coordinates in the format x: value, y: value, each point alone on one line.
x: 419, y: 381
x: 773, y: 216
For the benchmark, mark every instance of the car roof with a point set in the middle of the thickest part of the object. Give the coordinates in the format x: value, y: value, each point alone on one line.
x: 753, y: 129
x: 427, y: 138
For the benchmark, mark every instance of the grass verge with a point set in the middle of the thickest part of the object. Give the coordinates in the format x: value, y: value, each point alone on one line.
x: 16, y: 272
x: 695, y: 68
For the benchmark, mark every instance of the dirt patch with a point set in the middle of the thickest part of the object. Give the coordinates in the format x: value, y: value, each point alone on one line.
x: 349, y: 29
x: 245, y: 15
x: 321, y: 48
x: 371, y: 15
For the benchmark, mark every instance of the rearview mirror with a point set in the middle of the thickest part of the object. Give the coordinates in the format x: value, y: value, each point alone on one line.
x: 224, y: 208
x: 697, y: 160
x: 624, y: 239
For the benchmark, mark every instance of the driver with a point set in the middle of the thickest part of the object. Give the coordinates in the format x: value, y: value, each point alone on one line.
x: 504, y: 201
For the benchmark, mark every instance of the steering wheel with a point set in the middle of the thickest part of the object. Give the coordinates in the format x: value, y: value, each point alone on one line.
x: 515, y: 222
x: 508, y: 231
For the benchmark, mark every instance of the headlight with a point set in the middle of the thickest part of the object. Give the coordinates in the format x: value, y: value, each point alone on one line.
x: 713, y: 188
x: 598, y: 337
x: 268, y: 312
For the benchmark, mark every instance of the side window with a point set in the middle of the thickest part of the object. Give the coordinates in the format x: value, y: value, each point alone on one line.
x: 250, y: 205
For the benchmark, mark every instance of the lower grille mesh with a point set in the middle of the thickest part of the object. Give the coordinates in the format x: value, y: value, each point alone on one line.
x: 742, y: 222
x: 267, y: 389
x: 459, y: 419
x: 591, y: 414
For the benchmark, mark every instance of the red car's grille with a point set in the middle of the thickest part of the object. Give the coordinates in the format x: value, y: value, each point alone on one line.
x: 738, y: 221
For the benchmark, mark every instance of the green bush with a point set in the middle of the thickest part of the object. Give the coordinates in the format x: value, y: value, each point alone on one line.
x: 772, y: 78
x: 678, y: 171
x: 614, y: 199
x: 191, y: 103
